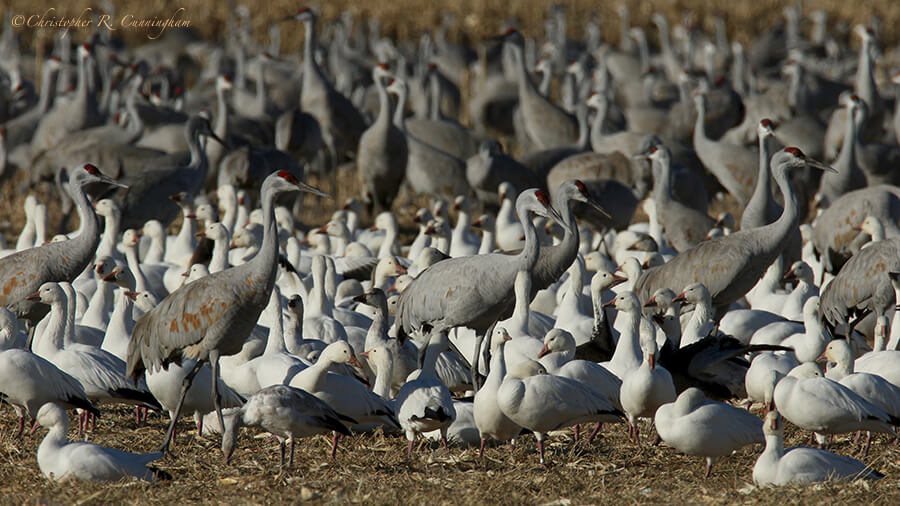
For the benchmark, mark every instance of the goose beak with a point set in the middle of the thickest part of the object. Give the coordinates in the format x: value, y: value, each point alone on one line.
x: 373, y: 228
x: 131, y: 295
x: 618, y: 280
x: 111, y: 276
x: 34, y: 427
x: 679, y: 298
x: 611, y: 303
x: 191, y: 215
x: 788, y: 275
x: 651, y: 361
x: 200, y: 234
x: 354, y: 361
x: 400, y: 270
x: 651, y: 302
x: 34, y: 296
x: 544, y: 351
x: 361, y: 298
x: 365, y: 355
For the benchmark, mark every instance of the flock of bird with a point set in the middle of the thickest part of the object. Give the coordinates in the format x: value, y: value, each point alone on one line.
x: 515, y: 318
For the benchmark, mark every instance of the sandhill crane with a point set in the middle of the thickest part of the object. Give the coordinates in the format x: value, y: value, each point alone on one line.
x: 382, y: 154
x: 341, y: 123
x: 472, y: 291
x: 25, y: 271
x: 850, y: 175
x: 546, y: 124
x: 862, y: 284
x: 212, y: 316
x: 429, y: 170
x: 729, y: 266
x: 734, y: 166
x: 147, y: 196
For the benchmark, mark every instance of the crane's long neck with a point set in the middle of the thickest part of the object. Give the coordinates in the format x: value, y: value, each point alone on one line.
x: 662, y: 188
x: 527, y: 258
x: 311, y: 44
x: 560, y: 256
x: 762, y: 192
x: 221, y: 125
x: 775, y: 235
x: 865, y: 78
x: 46, y: 88
x: 81, y: 92
x: 526, y: 85
x: 265, y: 261
x: 89, y: 237
x: 383, y: 120
x: 600, y: 118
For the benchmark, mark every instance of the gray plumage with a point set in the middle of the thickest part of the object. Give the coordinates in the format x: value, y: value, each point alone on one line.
x: 861, y: 281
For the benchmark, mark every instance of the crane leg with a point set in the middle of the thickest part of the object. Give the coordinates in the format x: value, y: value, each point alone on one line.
x: 217, y: 402
x: 185, y: 386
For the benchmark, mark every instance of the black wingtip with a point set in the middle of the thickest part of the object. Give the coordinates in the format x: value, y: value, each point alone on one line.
x: 146, y: 399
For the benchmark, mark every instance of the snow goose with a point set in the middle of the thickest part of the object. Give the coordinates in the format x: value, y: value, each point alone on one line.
x: 424, y: 404
x: 808, y: 341
x: 759, y: 374
x: 121, y: 322
x: 777, y: 466
x: 61, y: 460
x: 287, y: 412
x: 489, y: 419
x: 646, y: 388
x: 603, y: 336
x: 570, y: 314
x: 405, y: 355
x: 557, y: 357
x: 805, y: 288
x: 318, y: 319
x: 180, y: 248
x: 815, y: 403
x: 346, y: 394
x: 96, y: 316
x: 543, y: 402
x: 627, y: 355
x: 388, y: 222
x: 883, y: 363
x: 220, y: 235
x: 422, y: 218
x: 509, y: 231
x: 463, y: 241
x: 699, y: 426
x: 143, y: 282
x: 28, y: 381
x: 524, y: 324
x: 701, y: 322
x: 870, y: 387
x: 101, y: 373
x: 486, y: 223
x: 275, y: 366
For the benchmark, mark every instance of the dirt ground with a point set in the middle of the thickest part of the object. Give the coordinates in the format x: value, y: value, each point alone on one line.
x: 372, y: 469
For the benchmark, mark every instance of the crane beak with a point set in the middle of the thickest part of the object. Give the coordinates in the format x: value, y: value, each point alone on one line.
x: 553, y: 214
x: 544, y: 351
x: 596, y: 207
x: 110, y: 181
x: 821, y: 166
x: 312, y: 189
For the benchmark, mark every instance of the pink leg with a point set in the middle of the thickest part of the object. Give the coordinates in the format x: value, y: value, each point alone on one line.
x: 577, y: 429
x: 480, y: 451
x: 200, y: 427
x: 637, y: 435
x: 21, y: 426
x: 540, y: 445
x: 444, y: 442
x: 137, y: 415
x: 596, y: 431
x: 868, y: 443
x: 334, y: 443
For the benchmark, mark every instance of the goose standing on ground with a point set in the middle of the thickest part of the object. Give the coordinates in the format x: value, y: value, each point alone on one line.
x: 777, y: 466
x: 489, y: 419
x: 424, y: 404
x: 699, y: 426
x: 213, y: 315
x: 61, y: 460
x: 287, y: 413
x: 646, y: 388
x: 542, y: 402
x: 818, y: 404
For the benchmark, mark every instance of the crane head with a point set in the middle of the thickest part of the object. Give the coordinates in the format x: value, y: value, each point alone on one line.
x: 799, y: 159
x: 288, y: 177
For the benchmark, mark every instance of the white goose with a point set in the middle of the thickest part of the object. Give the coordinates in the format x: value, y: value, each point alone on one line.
x: 509, y: 231
x: 524, y: 324
x: 805, y: 288
x: 348, y: 395
x: 570, y: 313
x: 646, y: 388
x: 275, y: 366
x: 699, y: 426
x: 701, y: 322
x: 808, y: 340
x: 543, y: 402
x: 424, y: 404
x: 287, y: 413
x: 815, y: 403
x: 61, y: 460
x: 777, y: 466
x: 627, y: 355
x: 557, y: 356
x: 489, y: 419
x: 759, y: 378
x: 463, y: 241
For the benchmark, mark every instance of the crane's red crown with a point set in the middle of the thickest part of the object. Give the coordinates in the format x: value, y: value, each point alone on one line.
x: 287, y: 176
x: 766, y: 122
x: 581, y: 187
x: 795, y: 151
x: 92, y: 169
x: 542, y: 198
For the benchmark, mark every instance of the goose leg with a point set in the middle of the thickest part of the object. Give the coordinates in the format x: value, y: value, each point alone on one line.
x: 291, y: 461
x: 185, y: 386
x: 334, y: 443
x: 709, y: 465
x: 217, y: 402
x: 281, y: 451
x: 22, y: 426
x: 577, y: 430
x: 540, y: 445
x: 480, y: 450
